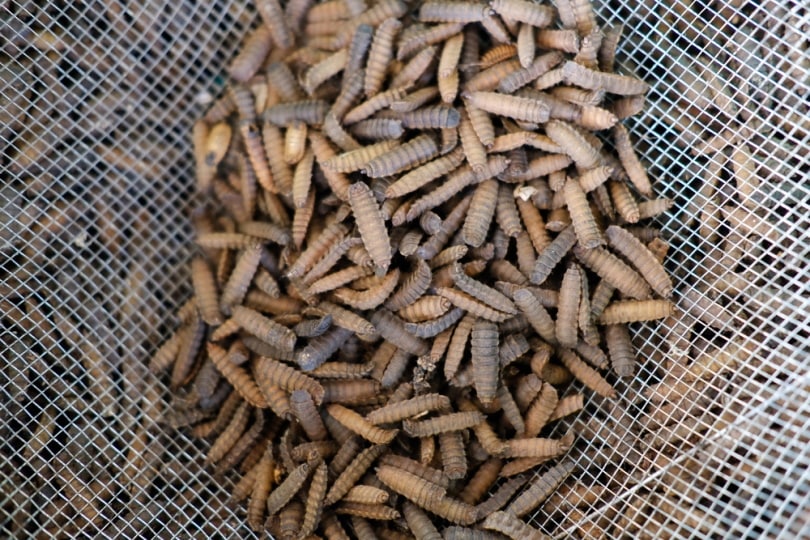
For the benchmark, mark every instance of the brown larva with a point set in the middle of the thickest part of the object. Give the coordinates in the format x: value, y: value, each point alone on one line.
x: 512, y: 348
x: 584, y: 154
x: 526, y: 12
x: 402, y: 157
x: 564, y: 40
x: 237, y: 285
x: 582, y: 217
x: 620, y: 348
x: 540, y: 489
x: 504, y: 493
x: 166, y: 354
x: 371, y: 225
x: 538, y: 447
x: 442, y: 424
x: 380, y: 55
x: 636, y: 310
x: 394, y: 412
x: 261, y: 485
x: 479, y: 217
x: 237, y: 376
x: 583, y: 77
x: 306, y: 412
x: 469, y: 303
x: 270, y: 373
x: 254, y: 50
x: 416, y: 468
x: 482, y: 292
x: 243, y: 99
x: 217, y: 143
x: 205, y: 289
x: 324, y: 70
x: 484, y: 347
x: 355, y: 160
x: 279, y: 174
x: 372, y: 297
x: 526, y: 45
x: 418, y: 37
x: 247, y: 442
x: 356, y: 423
x: 226, y: 440
x: 568, y: 307
x: 274, y: 20
x: 586, y: 374
x: 314, y: 503
x: 288, y: 488
x: 366, y: 494
x: 481, y: 482
x: 511, y: 526
x: 450, y: 56
x: 189, y: 349
x: 352, y: 472
x: 419, y: 522
x: 377, y: 102
x: 519, y: 108
x: 443, y: 11
x: 614, y: 271
x: 540, y: 410
x: 536, y: 314
x: 646, y: 263
x: 281, y: 78
x: 632, y: 166
x: 424, y: 309
x: 378, y: 129
x: 453, y: 454
x: 377, y: 512
x: 520, y: 78
x: 415, y: 68
x: 310, y: 111
x: 426, y: 495
x: 264, y: 328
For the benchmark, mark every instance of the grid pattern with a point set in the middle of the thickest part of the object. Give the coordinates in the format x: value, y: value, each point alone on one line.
x: 96, y: 179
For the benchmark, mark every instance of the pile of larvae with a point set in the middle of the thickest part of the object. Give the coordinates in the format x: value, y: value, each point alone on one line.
x: 426, y: 222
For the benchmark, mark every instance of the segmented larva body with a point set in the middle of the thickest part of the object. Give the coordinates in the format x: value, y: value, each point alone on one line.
x: 380, y: 55
x: 484, y: 349
x: 236, y: 287
x: 443, y: 11
x: 352, y: 472
x: 620, y: 348
x: 405, y: 156
x: 261, y: 485
x: 442, y: 424
x: 536, y: 314
x: 225, y: 441
x: 314, y: 504
x: 513, y: 527
x: 582, y: 217
x: 574, y: 144
x: 471, y: 304
x: 304, y: 409
x: 583, y: 77
x: 526, y: 12
x: 614, y: 271
x: 538, y: 447
x: 567, y: 405
x: 519, y: 108
x: 288, y: 488
x: 539, y: 412
x: 540, y: 489
x: 254, y: 50
x: 481, y: 292
x: 632, y: 166
x: 324, y: 70
x: 270, y: 373
x: 366, y: 494
x: 205, y: 291
x: 479, y: 217
x: 264, y: 328
x: 521, y: 77
x: 237, y: 376
x: 627, y: 311
x: 548, y: 259
x: 309, y: 111
x: 641, y: 257
x: 586, y: 374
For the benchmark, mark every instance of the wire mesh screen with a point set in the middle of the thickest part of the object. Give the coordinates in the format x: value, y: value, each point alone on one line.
x: 98, y: 100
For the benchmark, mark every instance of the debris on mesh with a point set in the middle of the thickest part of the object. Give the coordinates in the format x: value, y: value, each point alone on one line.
x: 366, y: 342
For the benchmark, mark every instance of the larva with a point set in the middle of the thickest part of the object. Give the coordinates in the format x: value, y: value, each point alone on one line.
x: 356, y: 423
x: 380, y: 55
x: 281, y: 78
x: 525, y: 45
x: 264, y: 328
x: 314, y: 503
x: 378, y: 129
x: 453, y: 454
x: 540, y: 489
x: 443, y: 11
x: 536, y: 314
x: 234, y: 291
x: 442, y: 424
x: 540, y: 410
x: 396, y: 159
x: 394, y: 412
x: 262, y: 483
x: 372, y: 105
x: 254, y: 50
x: 479, y: 217
x: 238, y: 377
x: 526, y: 12
x: 471, y: 304
x: 336, y: 279
x: 324, y: 70
x: 521, y: 77
x: 512, y: 348
x: 632, y: 166
x: 352, y: 472
x: 424, y: 309
x: 584, y: 154
x: 205, y: 289
x: 583, y: 77
x: 270, y: 373
x: 481, y: 482
x: 376, y: 512
x: 355, y: 160
x: 620, y: 348
x: 450, y: 56
x: 586, y: 374
x: 250, y: 438
x: 646, y: 263
x: 568, y: 307
x: 351, y: 391
x: 582, y: 218
x: 484, y: 348
x: 372, y: 297
x: 306, y: 412
x: 187, y: 354
x: 426, y: 495
x: 309, y: 111
x: 290, y: 519
x: 419, y: 37
x: 366, y: 494
x: 627, y: 311
x: 167, y: 353
x: 371, y: 225
x: 482, y: 292
x: 419, y: 522
x: 506, y: 523
x: 587, y: 326
x: 416, y: 67
x: 538, y: 447
x: 425, y: 472
x: 225, y: 441
x: 519, y: 108
x: 458, y: 342
x: 273, y: 149
x: 288, y: 488
x: 614, y: 271
x: 273, y: 16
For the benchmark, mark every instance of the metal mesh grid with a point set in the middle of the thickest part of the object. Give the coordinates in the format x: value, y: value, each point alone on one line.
x: 97, y: 105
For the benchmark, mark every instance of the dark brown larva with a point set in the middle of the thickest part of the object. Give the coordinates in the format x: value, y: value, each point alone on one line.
x: 484, y: 349
x: 371, y: 225
x: 568, y: 307
x: 588, y: 234
x: 442, y: 424
x: 641, y: 257
x: 205, y: 289
x: 614, y: 271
